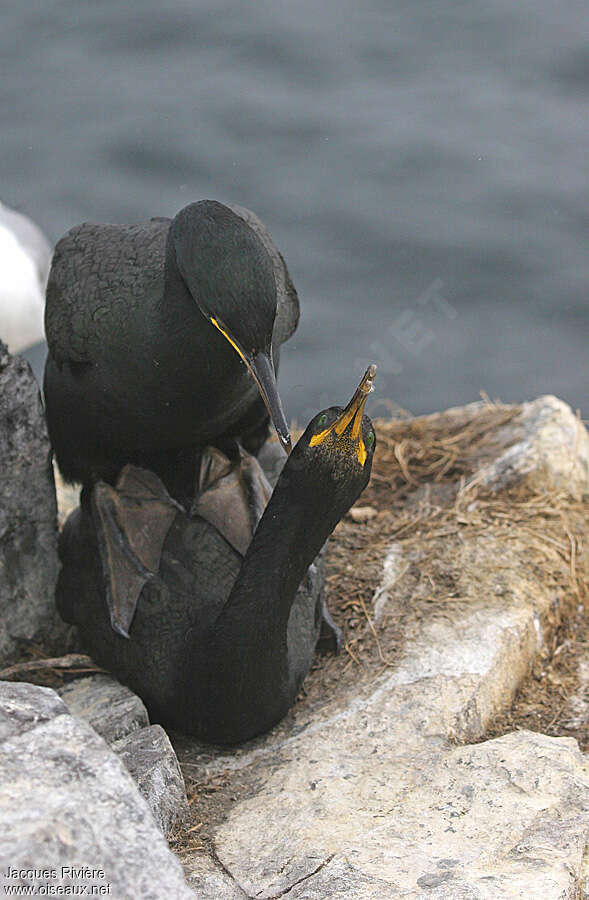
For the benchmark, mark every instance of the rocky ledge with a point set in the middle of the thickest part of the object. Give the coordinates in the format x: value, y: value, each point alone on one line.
x: 71, y: 815
x: 449, y: 577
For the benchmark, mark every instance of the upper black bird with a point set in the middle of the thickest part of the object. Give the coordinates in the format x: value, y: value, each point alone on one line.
x: 221, y: 634
x: 149, y: 327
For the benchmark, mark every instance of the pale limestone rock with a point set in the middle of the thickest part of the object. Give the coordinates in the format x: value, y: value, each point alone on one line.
x: 67, y: 800
x: 208, y: 879
x: 110, y: 708
x: 507, y: 818
x: 547, y: 446
x: 68, y: 496
x: 25, y: 706
x: 584, y: 886
x: 149, y: 757
x: 25, y: 256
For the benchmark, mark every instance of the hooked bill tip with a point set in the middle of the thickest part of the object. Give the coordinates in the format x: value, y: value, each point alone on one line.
x: 366, y: 385
x: 286, y: 442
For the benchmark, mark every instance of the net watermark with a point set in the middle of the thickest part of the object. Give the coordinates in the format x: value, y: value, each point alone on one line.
x: 55, y: 881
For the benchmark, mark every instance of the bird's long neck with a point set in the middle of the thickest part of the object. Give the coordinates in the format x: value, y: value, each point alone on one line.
x: 250, y: 634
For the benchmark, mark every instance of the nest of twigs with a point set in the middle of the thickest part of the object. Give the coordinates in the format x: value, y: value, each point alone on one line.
x: 423, y: 498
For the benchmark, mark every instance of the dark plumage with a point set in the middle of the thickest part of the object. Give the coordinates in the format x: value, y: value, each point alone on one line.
x: 137, y: 369
x: 219, y: 643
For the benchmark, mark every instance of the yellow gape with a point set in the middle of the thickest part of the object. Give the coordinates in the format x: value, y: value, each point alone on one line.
x: 229, y: 338
x: 353, y: 412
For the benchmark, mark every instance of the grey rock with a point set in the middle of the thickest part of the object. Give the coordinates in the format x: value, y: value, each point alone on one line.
x: 546, y: 446
x: 584, y: 894
x: 149, y: 757
x: 507, y: 818
x: 119, y: 716
x: 24, y: 706
x: 67, y: 800
x: 107, y: 705
x: 28, y: 525
x: 208, y: 879
x: 366, y: 796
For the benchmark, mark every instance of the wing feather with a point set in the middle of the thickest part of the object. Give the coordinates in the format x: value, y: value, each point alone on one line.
x: 99, y: 276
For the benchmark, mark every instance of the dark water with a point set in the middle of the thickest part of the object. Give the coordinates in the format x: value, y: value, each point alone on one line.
x: 423, y: 167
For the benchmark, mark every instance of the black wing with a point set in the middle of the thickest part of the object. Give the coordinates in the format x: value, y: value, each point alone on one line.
x: 101, y: 275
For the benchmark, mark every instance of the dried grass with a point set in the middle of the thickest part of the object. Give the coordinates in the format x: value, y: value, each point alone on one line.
x: 425, y: 500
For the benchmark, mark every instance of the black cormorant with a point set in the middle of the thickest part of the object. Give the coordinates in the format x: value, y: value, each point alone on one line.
x: 154, y: 334
x: 219, y: 643
x: 149, y: 327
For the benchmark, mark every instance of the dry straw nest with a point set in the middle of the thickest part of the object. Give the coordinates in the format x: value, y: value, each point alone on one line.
x: 424, y: 497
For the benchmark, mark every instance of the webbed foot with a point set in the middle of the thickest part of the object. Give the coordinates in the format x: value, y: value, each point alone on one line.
x: 233, y: 493
x: 131, y: 523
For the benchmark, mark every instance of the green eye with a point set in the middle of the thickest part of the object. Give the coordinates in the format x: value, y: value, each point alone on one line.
x: 370, y: 439
x: 321, y: 420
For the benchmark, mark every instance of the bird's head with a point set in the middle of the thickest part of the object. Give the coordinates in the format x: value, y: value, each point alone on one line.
x: 337, y: 448
x: 229, y: 274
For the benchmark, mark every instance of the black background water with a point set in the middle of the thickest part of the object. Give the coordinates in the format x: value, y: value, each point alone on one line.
x: 423, y: 167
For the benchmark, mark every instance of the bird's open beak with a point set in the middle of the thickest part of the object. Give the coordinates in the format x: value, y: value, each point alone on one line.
x: 262, y: 369
x: 351, y: 416
x: 354, y: 411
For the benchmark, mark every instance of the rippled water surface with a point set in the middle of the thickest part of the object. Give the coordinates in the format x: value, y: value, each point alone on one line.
x: 423, y: 167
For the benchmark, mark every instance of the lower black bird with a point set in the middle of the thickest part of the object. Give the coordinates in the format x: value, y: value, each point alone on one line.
x: 221, y: 634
